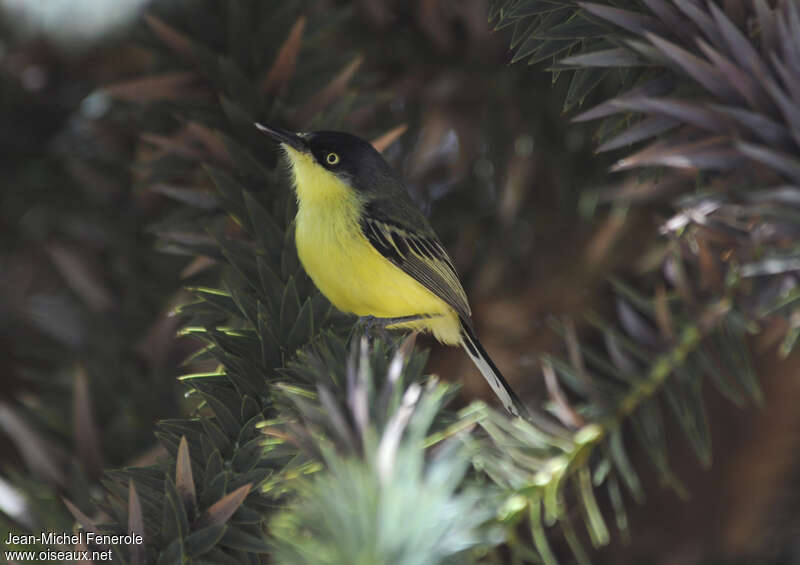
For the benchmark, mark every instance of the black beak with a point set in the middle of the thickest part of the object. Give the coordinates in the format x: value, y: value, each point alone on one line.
x: 282, y: 136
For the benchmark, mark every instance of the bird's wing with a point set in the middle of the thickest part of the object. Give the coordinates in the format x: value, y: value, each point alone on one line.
x: 399, y: 232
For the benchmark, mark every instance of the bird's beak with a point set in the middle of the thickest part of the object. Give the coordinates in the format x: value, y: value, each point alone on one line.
x: 286, y: 137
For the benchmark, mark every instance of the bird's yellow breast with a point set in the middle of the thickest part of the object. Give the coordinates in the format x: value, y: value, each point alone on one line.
x: 343, y: 264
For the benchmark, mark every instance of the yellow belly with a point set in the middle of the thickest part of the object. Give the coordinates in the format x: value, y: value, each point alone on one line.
x: 357, y: 279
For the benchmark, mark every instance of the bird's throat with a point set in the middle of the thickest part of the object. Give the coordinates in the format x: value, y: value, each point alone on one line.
x: 315, y: 185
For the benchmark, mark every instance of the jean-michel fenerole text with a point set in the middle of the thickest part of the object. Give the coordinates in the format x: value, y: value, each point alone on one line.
x: 70, y: 538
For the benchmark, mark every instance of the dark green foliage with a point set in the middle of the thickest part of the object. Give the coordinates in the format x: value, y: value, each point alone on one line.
x: 417, y: 513
x: 687, y: 316
x: 709, y: 84
x: 281, y: 378
x: 378, y: 500
x: 85, y: 372
x: 308, y: 442
x: 571, y: 33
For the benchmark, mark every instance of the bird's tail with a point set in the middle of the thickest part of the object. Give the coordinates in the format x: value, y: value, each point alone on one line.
x: 490, y: 372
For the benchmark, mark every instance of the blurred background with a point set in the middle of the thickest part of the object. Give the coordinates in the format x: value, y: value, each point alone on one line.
x: 88, y: 347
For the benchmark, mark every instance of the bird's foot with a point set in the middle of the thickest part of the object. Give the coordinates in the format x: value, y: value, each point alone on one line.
x: 372, y: 325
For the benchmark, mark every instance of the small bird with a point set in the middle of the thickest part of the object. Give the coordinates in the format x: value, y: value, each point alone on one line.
x: 370, y: 250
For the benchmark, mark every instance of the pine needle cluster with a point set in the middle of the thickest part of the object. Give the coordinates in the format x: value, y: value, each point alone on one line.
x: 712, y: 91
x: 291, y: 403
x: 310, y: 443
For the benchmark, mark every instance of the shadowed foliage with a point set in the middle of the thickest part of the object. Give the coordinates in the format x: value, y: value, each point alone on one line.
x: 619, y: 303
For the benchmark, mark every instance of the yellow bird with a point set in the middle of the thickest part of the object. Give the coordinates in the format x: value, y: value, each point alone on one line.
x: 370, y: 251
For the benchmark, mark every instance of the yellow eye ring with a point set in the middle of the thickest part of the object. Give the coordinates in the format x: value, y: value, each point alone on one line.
x: 332, y: 159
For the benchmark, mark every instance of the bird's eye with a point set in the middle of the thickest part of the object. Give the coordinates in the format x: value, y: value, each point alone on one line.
x: 332, y: 159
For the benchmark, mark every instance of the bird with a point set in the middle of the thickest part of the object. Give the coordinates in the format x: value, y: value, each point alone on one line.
x: 371, y: 251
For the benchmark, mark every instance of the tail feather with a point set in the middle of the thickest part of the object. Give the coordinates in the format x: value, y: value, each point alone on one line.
x: 491, y: 373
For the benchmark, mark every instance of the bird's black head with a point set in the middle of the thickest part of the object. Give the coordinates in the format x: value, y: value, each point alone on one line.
x: 347, y: 156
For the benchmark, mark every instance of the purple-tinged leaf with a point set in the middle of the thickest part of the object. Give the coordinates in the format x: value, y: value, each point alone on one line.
x: 635, y: 324
x: 631, y: 21
x: 562, y: 409
x: 738, y: 45
x: 172, y: 38
x: 790, y: 110
x: 574, y: 28
x: 135, y: 524
x: 790, y: 80
x: 87, y: 436
x: 82, y: 518
x: 184, y: 481
x: 640, y: 131
x: 655, y: 87
x: 684, y: 111
x: 669, y: 16
x: 648, y: 52
x: 783, y: 162
x: 766, y: 21
x: 282, y: 69
x: 713, y: 153
x: 600, y: 111
x: 702, y: 21
x: 221, y: 511
x: 385, y: 140
x: 736, y: 11
x: 704, y: 73
x: 174, y: 86
x: 621, y: 359
x: 617, y: 57
x: 741, y: 81
x: 789, y: 28
x: 328, y: 93
x: 757, y: 124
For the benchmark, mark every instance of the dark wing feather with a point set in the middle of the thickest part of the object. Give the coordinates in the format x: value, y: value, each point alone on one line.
x: 399, y: 232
